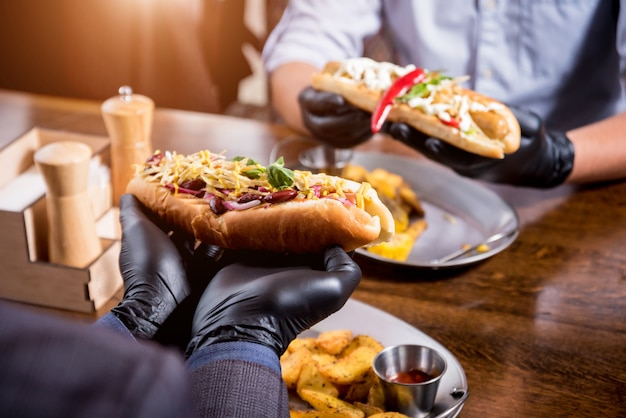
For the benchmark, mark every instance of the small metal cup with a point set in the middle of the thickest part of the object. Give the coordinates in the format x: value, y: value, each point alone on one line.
x: 412, y: 399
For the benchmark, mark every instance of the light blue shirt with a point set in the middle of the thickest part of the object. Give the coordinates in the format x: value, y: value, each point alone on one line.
x: 564, y: 59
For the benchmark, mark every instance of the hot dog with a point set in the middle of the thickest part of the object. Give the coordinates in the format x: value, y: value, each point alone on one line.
x: 427, y: 100
x: 241, y: 204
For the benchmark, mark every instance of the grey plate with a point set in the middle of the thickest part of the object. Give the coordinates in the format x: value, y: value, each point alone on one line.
x: 459, y: 212
x: 361, y: 318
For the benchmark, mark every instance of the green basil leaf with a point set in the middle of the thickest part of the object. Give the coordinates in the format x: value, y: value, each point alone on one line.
x: 279, y: 176
x: 253, y: 173
x: 250, y: 160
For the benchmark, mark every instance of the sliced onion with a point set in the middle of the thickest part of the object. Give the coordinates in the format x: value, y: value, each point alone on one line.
x: 183, y: 190
x: 231, y: 205
x: 343, y: 200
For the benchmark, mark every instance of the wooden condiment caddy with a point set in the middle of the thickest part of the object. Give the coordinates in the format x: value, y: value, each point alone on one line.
x: 28, y: 275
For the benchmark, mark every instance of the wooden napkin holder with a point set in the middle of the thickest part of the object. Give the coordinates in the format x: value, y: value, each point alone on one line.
x: 27, y: 275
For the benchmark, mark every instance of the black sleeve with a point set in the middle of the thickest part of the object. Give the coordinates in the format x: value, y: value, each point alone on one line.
x: 51, y: 367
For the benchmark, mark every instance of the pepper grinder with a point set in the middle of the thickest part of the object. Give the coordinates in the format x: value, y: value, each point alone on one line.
x: 128, y: 120
x: 72, y: 237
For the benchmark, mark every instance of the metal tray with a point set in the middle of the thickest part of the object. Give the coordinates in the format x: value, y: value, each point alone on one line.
x: 460, y: 212
x: 361, y: 318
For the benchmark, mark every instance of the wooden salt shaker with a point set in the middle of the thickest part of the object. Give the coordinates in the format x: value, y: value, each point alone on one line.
x: 128, y: 120
x: 72, y: 237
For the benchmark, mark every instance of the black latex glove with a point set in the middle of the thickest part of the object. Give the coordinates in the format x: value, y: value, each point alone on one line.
x: 332, y: 120
x: 544, y: 159
x: 272, y: 301
x: 153, y: 269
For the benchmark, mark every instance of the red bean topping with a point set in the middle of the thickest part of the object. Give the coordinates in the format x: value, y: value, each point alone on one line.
x: 249, y: 197
x: 280, y: 196
x: 217, y: 205
x: 155, y: 159
x: 196, y: 184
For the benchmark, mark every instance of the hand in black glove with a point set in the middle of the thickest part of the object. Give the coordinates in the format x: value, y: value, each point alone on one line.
x: 272, y: 301
x: 544, y: 159
x: 332, y: 120
x: 153, y: 269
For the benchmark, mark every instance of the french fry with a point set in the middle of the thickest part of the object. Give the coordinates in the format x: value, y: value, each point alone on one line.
x: 323, y: 402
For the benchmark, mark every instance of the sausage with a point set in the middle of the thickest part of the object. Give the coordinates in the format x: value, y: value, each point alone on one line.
x: 491, y: 123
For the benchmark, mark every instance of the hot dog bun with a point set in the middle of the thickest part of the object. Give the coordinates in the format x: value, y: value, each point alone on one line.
x: 301, y: 225
x: 490, y: 128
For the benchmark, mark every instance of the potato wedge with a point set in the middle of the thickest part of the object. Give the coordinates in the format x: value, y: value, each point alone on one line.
x: 291, y: 365
x: 323, y: 402
x: 335, y: 376
x: 404, y: 204
x: 318, y: 414
x: 376, y: 396
x: 311, y: 379
x: 368, y: 409
x: 301, y: 342
x: 362, y: 340
x: 358, y: 391
x: 349, y: 369
x: 333, y: 342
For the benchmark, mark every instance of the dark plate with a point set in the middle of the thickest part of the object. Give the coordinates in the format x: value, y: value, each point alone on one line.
x: 459, y: 212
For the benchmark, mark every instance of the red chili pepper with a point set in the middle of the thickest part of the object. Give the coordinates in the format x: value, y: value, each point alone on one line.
x: 398, y: 88
x: 454, y: 122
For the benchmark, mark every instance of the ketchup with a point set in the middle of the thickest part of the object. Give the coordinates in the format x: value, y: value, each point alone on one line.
x: 411, y: 377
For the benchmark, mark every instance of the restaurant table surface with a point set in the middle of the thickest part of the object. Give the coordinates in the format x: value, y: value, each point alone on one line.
x: 540, y: 328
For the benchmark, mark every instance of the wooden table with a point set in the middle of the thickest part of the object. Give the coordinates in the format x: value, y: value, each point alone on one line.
x: 540, y: 328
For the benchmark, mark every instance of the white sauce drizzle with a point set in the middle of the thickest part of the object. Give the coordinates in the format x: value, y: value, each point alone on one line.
x: 378, y: 76
x: 373, y: 74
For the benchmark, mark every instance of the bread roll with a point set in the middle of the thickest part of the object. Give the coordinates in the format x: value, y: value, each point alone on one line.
x: 306, y: 223
x: 487, y: 127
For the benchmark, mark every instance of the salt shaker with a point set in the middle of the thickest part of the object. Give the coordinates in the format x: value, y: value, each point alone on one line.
x: 128, y: 120
x: 72, y: 237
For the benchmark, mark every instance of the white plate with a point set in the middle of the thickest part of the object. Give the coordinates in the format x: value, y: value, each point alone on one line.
x: 459, y: 212
x: 389, y: 330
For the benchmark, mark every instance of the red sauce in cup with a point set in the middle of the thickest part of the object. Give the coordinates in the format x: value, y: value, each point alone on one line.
x: 411, y: 377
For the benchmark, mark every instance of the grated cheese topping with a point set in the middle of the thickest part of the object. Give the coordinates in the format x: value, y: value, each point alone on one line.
x: 208, y: 174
